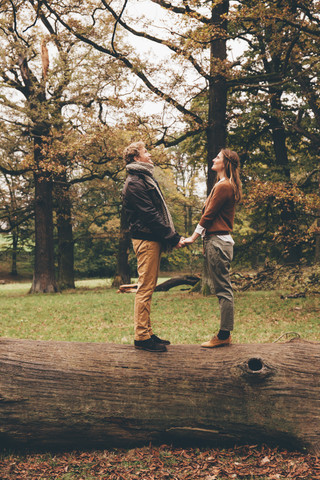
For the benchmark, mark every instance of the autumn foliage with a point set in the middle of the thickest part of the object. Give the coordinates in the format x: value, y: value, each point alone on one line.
x: 284, y: 213
x: 164, y: 462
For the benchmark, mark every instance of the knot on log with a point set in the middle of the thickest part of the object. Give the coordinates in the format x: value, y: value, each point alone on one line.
x: 255, y: 365
x: 255, y: 370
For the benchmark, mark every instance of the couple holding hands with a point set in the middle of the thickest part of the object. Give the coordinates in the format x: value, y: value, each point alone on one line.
x: 152, y: 231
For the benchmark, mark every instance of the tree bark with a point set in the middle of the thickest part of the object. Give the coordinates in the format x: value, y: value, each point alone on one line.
x: 65, y: 235
x: 164, y: 286
x: 279, y: 134
x: 14, y: 255
x: 177, y: 281
x: 123, y: 268
x: 35, y: 93
x: 317, y: 234
x: 44, y: 275
x: 69, y: 395
x: 218, y: 90
x: 217, y: 125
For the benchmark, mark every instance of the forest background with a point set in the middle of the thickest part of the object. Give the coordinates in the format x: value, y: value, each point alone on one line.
x: 81, y: 80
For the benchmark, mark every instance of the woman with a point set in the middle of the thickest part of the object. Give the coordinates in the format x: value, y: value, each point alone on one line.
x: 215, y: 226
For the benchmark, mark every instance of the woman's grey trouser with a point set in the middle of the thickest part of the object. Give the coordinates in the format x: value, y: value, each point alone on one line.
x: 219, y: 255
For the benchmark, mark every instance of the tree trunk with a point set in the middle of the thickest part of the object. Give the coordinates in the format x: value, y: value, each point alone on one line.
x: 164, y: 286
x: 44, y: 276
x: 279, y: 134
x: 65, y: 235
x: 15, y: 238
x: 317, y: 235
x: 177, y: 281
x: 39, y: 116
x: 288, y: 215
x: 217, y: 123
x: 217, y: 126
x: 310, y: 92
x: 69, y: 395
x: 123, y: 267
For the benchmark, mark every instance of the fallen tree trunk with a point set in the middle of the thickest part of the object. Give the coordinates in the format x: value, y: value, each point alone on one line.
x: 176, y: 282
x: 164, y: 286
x: 79, y: 395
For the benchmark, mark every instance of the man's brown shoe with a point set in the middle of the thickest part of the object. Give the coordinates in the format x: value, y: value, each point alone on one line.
x: 216, y: 342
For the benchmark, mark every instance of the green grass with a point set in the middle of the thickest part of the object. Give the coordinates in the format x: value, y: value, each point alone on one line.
x: 94, y: 312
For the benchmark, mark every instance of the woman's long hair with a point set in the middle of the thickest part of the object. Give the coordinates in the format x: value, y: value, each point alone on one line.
x: 232, y: 168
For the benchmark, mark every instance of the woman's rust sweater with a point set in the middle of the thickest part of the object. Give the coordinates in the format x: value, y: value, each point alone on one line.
x: 219, y: 209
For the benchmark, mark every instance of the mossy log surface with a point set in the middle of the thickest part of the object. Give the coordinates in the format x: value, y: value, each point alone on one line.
x: 69, y: 395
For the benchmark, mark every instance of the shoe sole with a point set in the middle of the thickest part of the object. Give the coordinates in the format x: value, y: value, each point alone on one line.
x: 216, y: 346
x: 150, y: 349
x: 162, y: 342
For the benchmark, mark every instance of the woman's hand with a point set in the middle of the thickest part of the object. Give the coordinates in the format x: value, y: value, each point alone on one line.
x: 188, y: 241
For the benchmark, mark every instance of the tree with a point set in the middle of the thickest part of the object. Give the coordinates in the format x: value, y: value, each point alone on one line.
x: 16, y: 203
x: 47, y: 101
x: 264, y: 85
x: 201, y: 31
x: 282, y: 40
x: 15, y: 213
x: 123, y: 274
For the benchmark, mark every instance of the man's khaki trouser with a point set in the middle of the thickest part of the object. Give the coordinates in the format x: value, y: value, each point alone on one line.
x: 148, y: 262
x: 219, y: 255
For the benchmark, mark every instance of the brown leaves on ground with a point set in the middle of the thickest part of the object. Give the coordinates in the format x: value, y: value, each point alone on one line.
x: 165, y: 463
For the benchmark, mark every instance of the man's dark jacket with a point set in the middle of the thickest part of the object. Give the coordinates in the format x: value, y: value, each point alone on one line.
x: 143, y: 208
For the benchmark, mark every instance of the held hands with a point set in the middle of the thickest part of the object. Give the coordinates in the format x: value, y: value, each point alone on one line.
x: 188, y: 241
x: 183, y: 242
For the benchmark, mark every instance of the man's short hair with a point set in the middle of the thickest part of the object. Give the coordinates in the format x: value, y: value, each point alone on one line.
x: 133, y: 150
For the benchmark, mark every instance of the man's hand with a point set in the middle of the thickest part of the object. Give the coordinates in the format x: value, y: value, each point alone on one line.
x: 181, y: 243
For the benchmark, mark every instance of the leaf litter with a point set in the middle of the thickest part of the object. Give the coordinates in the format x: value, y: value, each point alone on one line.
x: 163, y: 463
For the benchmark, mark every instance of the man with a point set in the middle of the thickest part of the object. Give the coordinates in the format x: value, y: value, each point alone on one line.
x: 152, y: 231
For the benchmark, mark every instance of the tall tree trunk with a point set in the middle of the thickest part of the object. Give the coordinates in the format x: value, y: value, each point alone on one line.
x: 123, y: 268
x: 217, y: 127
x: 317, y: 248
x: 279, y: 135
x: 63, y: 210
x: 217, y: 123
x: 85, y: 395
x: 288, y: 215
x: 189, y: 230
x: 310, y: 92
x: 15, y: 236
x: 44, y: 274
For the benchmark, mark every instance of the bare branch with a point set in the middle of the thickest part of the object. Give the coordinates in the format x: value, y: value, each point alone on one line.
x: 183, y: 10
x: 15, y: 24
x: 176, y: 141
x: 13, y: 172
x: 306, y: 181
x: 115, y: 25
x: 129, y: 64
x: 15, y: 224
x: 160, y: 41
